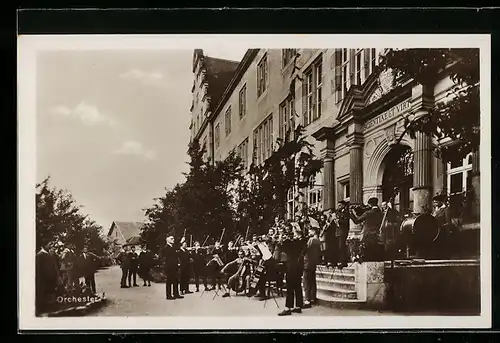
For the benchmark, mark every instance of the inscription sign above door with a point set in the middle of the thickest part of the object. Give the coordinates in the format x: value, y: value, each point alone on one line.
x: 391, y: 113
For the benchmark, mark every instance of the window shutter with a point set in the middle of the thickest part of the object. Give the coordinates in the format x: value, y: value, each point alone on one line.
x: 367, y: 62
x: 338, y: 74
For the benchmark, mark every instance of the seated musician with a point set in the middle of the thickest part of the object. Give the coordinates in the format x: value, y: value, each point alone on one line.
x: 238, y: 270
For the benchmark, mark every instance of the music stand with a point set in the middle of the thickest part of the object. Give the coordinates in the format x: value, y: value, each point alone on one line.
x: 271, y: 294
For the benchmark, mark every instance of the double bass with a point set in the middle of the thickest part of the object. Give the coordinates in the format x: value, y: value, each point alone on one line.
x: 259, y: 272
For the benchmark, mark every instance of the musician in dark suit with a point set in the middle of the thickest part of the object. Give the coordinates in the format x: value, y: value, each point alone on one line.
x: 184, y: 266
x: 88, y: 267
x: 328, y: 239
x: 294, y: 247
x: 312, y: 258
x: 134, y: 266
x: 371, y: 219
x: 171, y: 269
x: 390, y: 230
x: 199, y: 266
x: 123, y: 261
x: 341, y: 219
x: 447, y: 239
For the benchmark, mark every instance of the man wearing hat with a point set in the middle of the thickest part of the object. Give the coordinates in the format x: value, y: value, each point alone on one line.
x: 371, y: 220
x: 171, y: 268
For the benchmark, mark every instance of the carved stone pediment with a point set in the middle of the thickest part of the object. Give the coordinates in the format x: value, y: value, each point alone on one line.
x: 384, y: 85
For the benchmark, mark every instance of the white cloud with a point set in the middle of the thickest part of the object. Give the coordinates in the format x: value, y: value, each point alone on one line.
x: 146, y: 78
x: 135, y: 148
x: 88, y: 114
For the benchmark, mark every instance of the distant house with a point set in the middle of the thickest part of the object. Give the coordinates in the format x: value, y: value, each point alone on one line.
x: 125, y: 233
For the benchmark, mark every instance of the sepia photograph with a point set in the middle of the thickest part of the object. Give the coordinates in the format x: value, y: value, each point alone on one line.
x: 229, y: 181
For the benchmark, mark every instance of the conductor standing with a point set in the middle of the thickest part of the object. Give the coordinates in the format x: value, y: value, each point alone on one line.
x: 171, y: 269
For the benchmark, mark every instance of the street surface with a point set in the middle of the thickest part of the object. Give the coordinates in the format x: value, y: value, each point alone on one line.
x: 150, y: 301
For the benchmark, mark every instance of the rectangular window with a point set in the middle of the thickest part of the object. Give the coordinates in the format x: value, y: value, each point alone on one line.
x: 290, y: 204
x: 346, y: 190
x: 458, y: 183
x: 217, y: 136
x: 345, y: 73
x: 315, y: 198
x: 242, y: 100
x: 286, y: 120
x: 262, y: 71
x: 263, y: 140
x: 287, y: 55
x: 373, y: 59
x: 243, y: 152
x: 227, y: 121
x: 312, y: 88
x: 358, y: 66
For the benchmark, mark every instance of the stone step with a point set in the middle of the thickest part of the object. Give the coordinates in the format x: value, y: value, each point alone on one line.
x: 346, y: 270
x: 341, y: 303
x: 336, y: 275
x: 336, y: 292
x: 347, y: 285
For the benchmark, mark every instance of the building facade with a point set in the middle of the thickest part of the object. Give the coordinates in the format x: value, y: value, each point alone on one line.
x: 353, y: 115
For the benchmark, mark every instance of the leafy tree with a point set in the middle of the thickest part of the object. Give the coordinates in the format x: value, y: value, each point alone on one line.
x: 203, y: 205
x: 59, y: 218
x: 456, y: 117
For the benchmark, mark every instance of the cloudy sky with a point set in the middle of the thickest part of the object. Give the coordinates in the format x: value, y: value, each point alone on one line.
x: 113, y: 127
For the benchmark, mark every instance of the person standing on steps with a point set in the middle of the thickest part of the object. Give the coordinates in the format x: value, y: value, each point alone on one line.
x: 134, y: 264
x: 123, y: 261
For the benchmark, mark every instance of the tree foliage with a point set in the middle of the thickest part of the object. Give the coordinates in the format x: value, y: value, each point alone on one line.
x: 203, y: 205
x: 59, y: 218
x: 457, y: 117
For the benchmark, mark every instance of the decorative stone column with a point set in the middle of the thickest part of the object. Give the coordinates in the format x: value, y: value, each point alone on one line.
x: 328, y: 182
x: 326, y: 135
x: 476, y: 187
x: 422, y: 167
x: 356, y: 173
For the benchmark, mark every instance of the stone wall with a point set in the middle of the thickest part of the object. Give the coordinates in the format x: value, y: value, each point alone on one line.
x: 444, y: 287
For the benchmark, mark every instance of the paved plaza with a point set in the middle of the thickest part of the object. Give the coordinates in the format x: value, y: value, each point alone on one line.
x: 150, y: 301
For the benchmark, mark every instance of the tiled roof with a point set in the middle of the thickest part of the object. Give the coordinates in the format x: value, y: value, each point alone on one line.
x: 128, y: 229
x: 136, y: 240
x: 219, y: 74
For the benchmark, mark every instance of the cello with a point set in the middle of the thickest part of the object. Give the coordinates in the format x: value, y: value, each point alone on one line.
x: 240, y: 275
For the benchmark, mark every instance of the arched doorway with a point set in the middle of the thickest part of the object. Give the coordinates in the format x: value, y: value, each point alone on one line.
x: 397, y: 181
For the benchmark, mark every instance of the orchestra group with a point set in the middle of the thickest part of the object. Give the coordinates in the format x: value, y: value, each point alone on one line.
x: 287, y: 255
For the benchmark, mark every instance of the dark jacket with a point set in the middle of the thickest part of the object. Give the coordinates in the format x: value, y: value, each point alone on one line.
x: 88, y: 263
x: 123, y: 260
x: 342, y: 228
x: 390, y: 229
x: 199, y: 259
x: 170, y: 259
x: 312, y: 255
x: 371, y: 220
x: 294, y: 250
x: 183, y: 258
x: 146, y: 261
x: 134, y: 260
